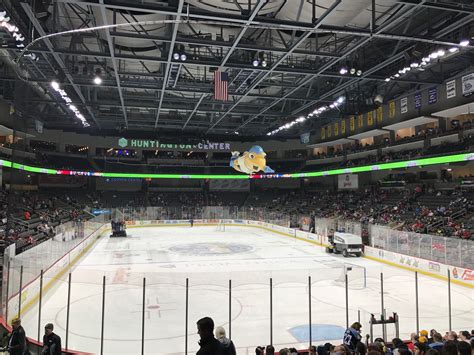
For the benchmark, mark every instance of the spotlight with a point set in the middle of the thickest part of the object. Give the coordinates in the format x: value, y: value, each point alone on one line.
x: 397, y: 75
x: 332, y: 105
x: 340, y: 100
x: 464, y: 43
x: 453, y: 49
x: 300, y: 119
x: 359, y: 72
x: 255, y: 62
x: 387, y: 79
x: 434, y: 55
x: 264, y: 63
x: 2, y: 15
x: 426, y: 59
x: 353, y: 71
x: 343, y: 71
x: 176, y: 56
x: 441, y: 52
x: 414, y: 65
x: 407, y: 69
x: 55, y: 85
x: 72, y: 107
x: 183, y: 57
x: 97, y: 80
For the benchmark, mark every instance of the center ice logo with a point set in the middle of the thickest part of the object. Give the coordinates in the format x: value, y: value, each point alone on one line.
x: 122, y: 142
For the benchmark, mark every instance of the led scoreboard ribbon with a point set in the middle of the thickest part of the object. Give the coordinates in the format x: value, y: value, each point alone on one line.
x: 455, y: 158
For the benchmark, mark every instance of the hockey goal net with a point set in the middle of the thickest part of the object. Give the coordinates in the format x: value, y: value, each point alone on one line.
x: 220, y: 227
x: 356, y: 276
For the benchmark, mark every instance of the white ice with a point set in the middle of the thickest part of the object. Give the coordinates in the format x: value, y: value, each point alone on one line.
x: 166, y: 256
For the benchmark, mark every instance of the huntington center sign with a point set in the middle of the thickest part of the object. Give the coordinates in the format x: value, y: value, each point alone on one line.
x: 154, y: 144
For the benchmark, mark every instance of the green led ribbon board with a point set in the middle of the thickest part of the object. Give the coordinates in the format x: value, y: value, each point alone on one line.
x: 455, y: 158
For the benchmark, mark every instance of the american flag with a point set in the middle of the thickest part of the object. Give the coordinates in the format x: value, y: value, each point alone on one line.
x: 221, y: 84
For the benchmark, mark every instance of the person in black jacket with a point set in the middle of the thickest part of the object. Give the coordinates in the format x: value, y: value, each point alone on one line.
x: 208, y: 344
x: 229, y: 347
x: 17, y: 340
x: 51, y: 341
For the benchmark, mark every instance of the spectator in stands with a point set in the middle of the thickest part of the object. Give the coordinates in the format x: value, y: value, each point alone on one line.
x: 450, y: 348
x: 465, y: 336
x: 413, y: 340
x: 312, y: 350
x: 451, y: 335
x: 293, y: 351
x: 17, y: 339
x: 437, y: 343
x: 464, y: 348
x: 284, y: 351
x: 352, y: 336
x: 208, y: 344
x: 229, y: 348
x: 361, y: 349
x: 270, y: 350
x: 51, y: 341
x: 27, y: 215
x: 420, y: 348
x: 259, y: 350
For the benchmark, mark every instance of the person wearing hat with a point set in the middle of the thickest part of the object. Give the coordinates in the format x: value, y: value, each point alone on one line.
x: 352, y: 336
x: 17, y: 339
x: 51, y: 341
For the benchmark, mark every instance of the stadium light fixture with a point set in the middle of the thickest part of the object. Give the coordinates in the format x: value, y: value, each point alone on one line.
x: 464, y: 43
x: 97, y: 79
x: 183, y: 57
x: 453, y: 49
x: 176, y: 56
x: 441, y: 53
x: 264, y: 63
x: 343, y: 71
x: 255, y: 62
x: 340, y: 100
x: 359, y: 72
x: 55, y: 85
x: 434, y: 55
x: 387, y: 79
x: 353, y: 71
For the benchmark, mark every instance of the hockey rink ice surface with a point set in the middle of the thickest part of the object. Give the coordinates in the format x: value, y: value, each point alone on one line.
x: 248, y: 256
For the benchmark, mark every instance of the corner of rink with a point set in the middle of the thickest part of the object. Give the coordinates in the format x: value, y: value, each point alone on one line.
x: 39, y: 280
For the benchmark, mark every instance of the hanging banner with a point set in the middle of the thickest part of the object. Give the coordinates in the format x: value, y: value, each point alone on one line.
x: 379, y: 114
x: 370, y: 118
x: 391, y: 109
x: 328, y: 131
x: 418, y: 100
x: 343, y: 127
x: 360, y: 121
x: 348, y: 181
x: 304, y: 138
x: 432, y: 96
x: 404, y: 105
x: 336, y: 129
x: 450, y: 89
x: 467, y: 83
x: 352, y: 124
x: 323, y: 133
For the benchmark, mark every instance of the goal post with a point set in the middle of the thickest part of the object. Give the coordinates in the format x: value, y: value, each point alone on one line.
x: 220, y: 227
x: 356, y: 276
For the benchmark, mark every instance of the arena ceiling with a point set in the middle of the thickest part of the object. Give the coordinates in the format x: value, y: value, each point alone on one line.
x: 304, y: 43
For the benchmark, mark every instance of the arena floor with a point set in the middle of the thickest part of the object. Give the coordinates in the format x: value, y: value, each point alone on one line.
x: 249, y: 257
